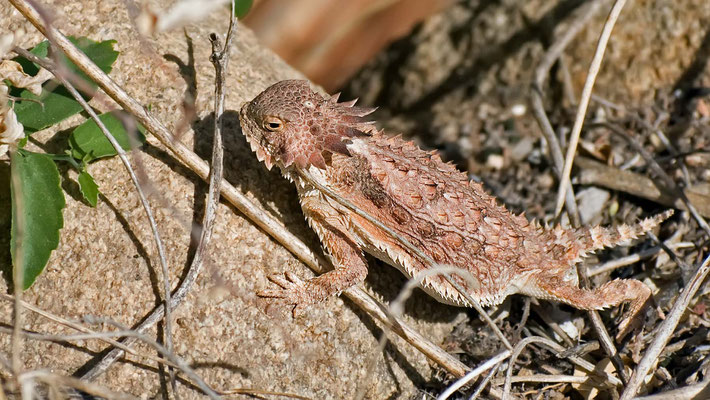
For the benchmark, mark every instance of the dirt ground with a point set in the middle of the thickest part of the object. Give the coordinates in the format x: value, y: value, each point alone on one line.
x: 462, y: 82
x: 459, y: 83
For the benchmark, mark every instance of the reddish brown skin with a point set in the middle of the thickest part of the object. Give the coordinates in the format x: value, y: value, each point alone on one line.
x: 427, y: 202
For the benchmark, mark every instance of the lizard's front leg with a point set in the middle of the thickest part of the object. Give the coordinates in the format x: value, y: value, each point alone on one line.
x: 347, y: 258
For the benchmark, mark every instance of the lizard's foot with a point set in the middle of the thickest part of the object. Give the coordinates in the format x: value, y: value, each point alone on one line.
x: 634, y: 318
x: 293, y: 291
x: 607, y: 295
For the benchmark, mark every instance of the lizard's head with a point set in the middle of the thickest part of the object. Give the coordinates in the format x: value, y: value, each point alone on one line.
x: 290, y: 124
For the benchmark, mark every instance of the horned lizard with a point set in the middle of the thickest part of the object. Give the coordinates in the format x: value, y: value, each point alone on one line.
x: 424, y: 200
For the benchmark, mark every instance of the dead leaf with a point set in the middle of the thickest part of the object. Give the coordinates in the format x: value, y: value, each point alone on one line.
x: 11, y: 131
x: 12, y: 71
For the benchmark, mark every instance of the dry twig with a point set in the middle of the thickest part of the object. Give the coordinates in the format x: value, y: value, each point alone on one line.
x: 610, y: 379
x: 632, y: 258
x: 580, y: 20
x: 397, y: 308
x: 491, y: 363
x: 54, y: 380
x: 83, y: 329
x: 595, y: 173
x: 584, y: 100
x: 656, y: 168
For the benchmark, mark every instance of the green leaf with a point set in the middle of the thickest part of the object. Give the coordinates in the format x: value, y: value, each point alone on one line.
x: 101, y: 53
x: 37, y: 203
x: 89, y: 188
x: 30, y: 68
x: 242, y: 7
x: 47, y: 109
x: 56, y: 103
x: 88, y: 143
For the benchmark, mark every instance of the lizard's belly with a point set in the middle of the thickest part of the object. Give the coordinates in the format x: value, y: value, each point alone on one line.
x: 384, y: 257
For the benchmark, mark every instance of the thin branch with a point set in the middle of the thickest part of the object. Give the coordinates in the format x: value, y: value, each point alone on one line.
x: 656, y: 168
x: 671, y: 254
x: 83, y: 329
x: 586, y: 365
x: 539, y: 378
x: 396, y: 309
x: 595, y: 173
x: 58, y: 380
x: 484, y: 383
x: 463, y: 381
x: 513, y: 358
x: 179, y: 363
x: 49, y: 337
x: 582, y: 18
x: 579, y: 22
x: 220, y: 58
x: 259, y: 393
x: 632, y: 258
x: 17, y: 272
x: 695, y: 391
x: 584, y: 100
x: 88, y: 334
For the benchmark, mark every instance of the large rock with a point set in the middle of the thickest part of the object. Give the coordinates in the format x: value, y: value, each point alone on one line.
x: 106, y: 262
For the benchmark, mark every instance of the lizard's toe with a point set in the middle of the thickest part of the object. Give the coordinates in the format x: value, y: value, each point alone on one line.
x: 294, y: 279
x: 292, y: 291
x: 280, y: 280
x: 633, y: 321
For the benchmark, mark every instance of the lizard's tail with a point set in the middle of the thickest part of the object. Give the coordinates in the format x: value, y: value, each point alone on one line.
x: 590, y: 239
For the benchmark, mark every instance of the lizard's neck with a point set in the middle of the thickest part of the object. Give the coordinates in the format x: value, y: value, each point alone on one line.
x: 303, y: 184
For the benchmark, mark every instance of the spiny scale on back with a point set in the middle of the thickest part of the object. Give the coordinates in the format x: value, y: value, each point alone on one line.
x: 428, y: 202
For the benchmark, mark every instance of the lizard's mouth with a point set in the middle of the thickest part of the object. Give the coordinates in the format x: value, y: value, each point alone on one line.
x: 261, y: 153
x: 258, y: 142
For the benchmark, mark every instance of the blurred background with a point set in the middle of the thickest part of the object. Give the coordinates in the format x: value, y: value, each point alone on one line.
x: 456, y: 75
x: 329, y: 40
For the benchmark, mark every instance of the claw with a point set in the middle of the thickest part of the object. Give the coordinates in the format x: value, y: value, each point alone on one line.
x: 633, y: 321
x: 292, y: 291
x: 294, y: 279
x: 281, y: 281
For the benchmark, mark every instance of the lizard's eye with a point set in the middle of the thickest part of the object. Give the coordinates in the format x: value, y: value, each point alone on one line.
x: 273, y: 124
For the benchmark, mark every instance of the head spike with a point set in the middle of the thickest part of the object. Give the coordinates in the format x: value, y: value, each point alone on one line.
x: 360, y: 111
x: 349, y: 103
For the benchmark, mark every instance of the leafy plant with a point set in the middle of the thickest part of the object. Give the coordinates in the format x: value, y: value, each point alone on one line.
x: 88, y: 143
x: 55, y: 104
x: 36, y: 194
x: 37, y: 203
